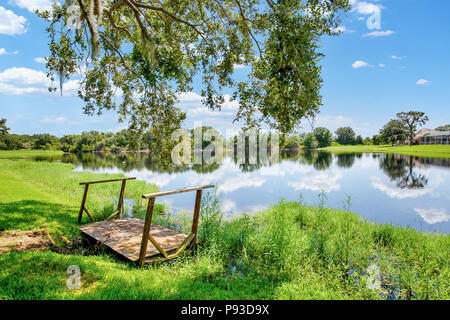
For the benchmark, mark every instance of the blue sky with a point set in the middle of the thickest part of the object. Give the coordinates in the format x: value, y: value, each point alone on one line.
x: 370, y: 72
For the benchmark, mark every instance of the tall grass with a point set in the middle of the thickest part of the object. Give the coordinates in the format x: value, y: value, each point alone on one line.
x: 292, y: 239
x: 291, y: 250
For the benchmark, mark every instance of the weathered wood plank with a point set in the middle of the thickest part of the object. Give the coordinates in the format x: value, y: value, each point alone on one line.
x: 124, y: 236
x: 156, y: 244
x: 198, y: 200
x: 83, y: 202
x: 122, y: 192
x: 113, y: 215
x: 103, y: 181
x: 185, y: 243
x: 87, y: 212
x: 166, y: 193
x: 146, y: 232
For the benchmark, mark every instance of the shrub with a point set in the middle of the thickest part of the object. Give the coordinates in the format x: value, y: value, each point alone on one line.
x: 345, y: 135
x: 310, y: 141
x: 323, y: 137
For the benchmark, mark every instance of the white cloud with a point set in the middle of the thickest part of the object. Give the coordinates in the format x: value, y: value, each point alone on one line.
x: 160, y: 179
x: 243, y: 181
x: 359, y: 64
x: 4, y: 51
x: 32, y: 5
x: 397, y: 57
x: 23, y: 75
x: 394, y: 192
x: 240, y: 66
x: 22, y: 81
x: 54, y: 120
x: 340, y: 29
x: 422, y: 82
x: 191, y: 103
x: 207, y: 112
x: 432, y: 215
x: 285, y: 169
x: 382, y: 65
x: 366, y: 8
x: 40, y: 60
x: 332, y: 122
x: 71, y: 87
x: 318, y: 182
x: 228, y: 205
x: 379, y: 33
x: 189, y: 97
x: 19, y: 81
x: 228, y: 178
x: 10, y: 23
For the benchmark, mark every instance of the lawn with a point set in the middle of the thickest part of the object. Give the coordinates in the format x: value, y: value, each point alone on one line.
x: 24, y: 154
x: 289, y: 251
x: 431, y: 151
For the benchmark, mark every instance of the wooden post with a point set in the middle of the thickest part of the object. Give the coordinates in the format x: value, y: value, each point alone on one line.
x: 122, y: 191
x: 198, y: 199
x: 83, y: 202
x: 146, y: 233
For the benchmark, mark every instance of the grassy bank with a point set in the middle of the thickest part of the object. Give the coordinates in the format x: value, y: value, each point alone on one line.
x: 23, y: 154
x: 289, y: 251
x: 431, y: 151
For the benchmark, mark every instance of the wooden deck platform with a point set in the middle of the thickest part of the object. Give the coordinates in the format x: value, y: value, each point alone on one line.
x: 124, y: 236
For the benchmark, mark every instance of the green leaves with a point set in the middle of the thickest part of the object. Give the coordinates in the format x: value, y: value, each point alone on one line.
x: 394, y: 131
x: 323, y: 137
x: 345, y: 135
x: 412, y: 119
x: 135, y: 56
x: 3, y: 128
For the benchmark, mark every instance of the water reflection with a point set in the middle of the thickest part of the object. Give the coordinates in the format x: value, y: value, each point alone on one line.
x: 402, y: 169
x: 346, y: 160
x: 398, y: 189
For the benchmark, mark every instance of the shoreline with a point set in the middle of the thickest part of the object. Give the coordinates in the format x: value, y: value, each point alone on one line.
x: 426, y: 151
x: 288, y: 251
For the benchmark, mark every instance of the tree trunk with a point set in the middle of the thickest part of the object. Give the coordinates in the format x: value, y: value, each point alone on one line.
x: 410, y: 136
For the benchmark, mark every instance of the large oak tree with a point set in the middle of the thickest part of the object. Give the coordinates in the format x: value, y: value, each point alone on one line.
x: 394, y: 131
x: 411, y: 120
x: 135, y: 56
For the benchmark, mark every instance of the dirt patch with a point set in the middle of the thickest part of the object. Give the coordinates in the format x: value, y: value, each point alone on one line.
x: 41, y: 240
x: 16, y: 240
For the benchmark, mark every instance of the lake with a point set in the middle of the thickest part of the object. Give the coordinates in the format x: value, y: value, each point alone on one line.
x: 385, y: 188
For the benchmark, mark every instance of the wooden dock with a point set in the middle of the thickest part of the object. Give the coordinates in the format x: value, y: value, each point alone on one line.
x: 124, y: 236
x: 139, y: 240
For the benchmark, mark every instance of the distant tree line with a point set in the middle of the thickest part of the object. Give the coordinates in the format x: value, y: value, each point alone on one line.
x: 84, y: 142
x: 400, y: 130
x: 322, y: 137
x: 397, y: 131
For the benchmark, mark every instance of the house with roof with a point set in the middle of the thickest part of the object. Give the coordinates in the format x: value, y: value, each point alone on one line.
x: 426, y: 136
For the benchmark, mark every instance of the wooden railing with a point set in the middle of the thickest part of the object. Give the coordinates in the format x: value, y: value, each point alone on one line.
x: 86, y: 189
x: 146, y: 236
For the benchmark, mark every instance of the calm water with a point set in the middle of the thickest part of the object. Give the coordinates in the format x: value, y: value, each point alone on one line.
x: 397, y: 189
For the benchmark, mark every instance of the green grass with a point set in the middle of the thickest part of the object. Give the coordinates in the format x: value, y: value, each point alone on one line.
x: 23, y: 154
x: 289, y: 251
x: 431, y: 151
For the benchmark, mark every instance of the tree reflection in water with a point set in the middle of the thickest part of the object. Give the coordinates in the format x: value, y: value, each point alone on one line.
x: 401, y: 170
x: 346, y: 160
